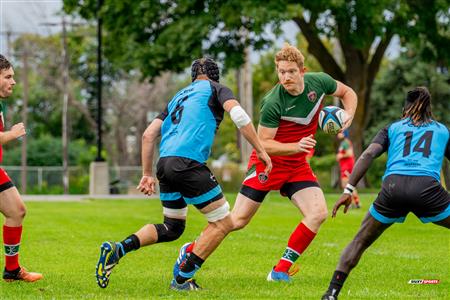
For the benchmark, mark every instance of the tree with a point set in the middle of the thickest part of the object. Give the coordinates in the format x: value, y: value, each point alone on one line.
x: 166, y: 35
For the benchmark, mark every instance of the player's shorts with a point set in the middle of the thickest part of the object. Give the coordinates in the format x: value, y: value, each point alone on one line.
x: 424, y: 196
x: 288, y: 178
x: 346, y: 171
x: 5, y: 181
x: 185, y: 181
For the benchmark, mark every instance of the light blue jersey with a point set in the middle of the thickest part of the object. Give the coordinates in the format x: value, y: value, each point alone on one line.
x: 414, y: 150
x: 191, y: 120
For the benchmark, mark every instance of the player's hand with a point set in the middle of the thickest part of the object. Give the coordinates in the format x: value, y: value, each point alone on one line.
x: 18, y: 130
x: 265, y: 158
x: 348, y: 119
x: 147, y: 185
x: 345, y: 199
x: 306, y: 144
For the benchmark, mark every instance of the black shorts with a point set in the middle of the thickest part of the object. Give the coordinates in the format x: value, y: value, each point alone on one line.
x: 185, y: 181
x: 288, y: 189
x: 424, y: 196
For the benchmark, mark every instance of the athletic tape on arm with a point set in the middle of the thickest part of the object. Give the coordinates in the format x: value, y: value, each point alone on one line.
x: 239, y: 116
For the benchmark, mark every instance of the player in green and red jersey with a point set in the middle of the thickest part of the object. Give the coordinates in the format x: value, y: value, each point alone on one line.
x: 288, y: 122
x: 11, y: 205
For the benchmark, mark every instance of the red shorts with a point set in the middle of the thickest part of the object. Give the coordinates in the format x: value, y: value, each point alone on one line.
x: 346, y: 171
x: 286, y: 176
x: 5, y: 181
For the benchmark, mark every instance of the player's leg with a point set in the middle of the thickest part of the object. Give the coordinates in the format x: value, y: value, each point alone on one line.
x: 369, y: 231
x: 13, y: 208
x: 309, y: 199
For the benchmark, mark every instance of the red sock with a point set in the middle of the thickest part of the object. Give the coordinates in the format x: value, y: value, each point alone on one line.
x: 11, y: 239
x: 298, y: 242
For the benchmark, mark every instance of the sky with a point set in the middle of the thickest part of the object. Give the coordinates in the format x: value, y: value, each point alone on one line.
x: 27, y: 16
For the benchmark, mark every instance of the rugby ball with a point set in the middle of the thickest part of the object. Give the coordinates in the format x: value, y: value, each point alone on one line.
x: 331, y: 119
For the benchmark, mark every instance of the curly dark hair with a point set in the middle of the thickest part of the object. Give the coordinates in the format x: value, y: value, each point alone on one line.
x: 4, y: 63
x: 418, y: 106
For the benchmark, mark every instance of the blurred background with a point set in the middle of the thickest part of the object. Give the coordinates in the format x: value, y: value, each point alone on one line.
x: 92, y: 74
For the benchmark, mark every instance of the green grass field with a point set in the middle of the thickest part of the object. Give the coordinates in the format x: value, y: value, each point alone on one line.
x: 62, y: 240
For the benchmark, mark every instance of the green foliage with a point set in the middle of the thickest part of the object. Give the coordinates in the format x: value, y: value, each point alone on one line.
x: 47, y: 151
x: 402, y: 75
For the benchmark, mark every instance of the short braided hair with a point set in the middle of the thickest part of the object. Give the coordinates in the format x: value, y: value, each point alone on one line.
x: 205, y: 66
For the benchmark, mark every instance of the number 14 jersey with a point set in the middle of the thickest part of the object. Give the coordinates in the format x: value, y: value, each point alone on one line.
x: 414, y: 150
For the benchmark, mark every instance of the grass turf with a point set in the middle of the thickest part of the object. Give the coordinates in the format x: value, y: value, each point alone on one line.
x: 62, y: 241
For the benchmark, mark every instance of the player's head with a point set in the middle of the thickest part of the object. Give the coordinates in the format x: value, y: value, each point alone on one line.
x: 6, y: 77
x: 205, y: 66
x: 289, y: 62
x: 418, y: 106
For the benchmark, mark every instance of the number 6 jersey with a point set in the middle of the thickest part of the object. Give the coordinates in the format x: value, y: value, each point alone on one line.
x: 414, y: 150
x: 191, y: 120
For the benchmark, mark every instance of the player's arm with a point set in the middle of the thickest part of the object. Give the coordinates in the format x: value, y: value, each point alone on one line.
x: 378, y: 146
x: 447, y: 149
x: 153, y: 131
x: 16, y: 131
x: 245, y: 126
x: 273, y: 147
x: 349, y: 101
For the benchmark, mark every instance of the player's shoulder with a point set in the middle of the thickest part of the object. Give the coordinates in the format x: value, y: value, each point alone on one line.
x: 273, y: 96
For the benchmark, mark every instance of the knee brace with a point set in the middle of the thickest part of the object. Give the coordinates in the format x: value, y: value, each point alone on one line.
x: 170, y: 230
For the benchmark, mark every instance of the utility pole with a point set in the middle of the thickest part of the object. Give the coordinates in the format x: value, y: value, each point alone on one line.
x: 65, y: 107
x: 25, y: 66
x: 99, y: 82
x: 246, y: 98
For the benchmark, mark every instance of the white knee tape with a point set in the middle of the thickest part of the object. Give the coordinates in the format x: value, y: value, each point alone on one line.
x: 172, y: 212
x: 239, y: 116
x: 219, y: 213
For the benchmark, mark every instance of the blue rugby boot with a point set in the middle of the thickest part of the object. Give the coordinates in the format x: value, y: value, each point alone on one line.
x: 181, y: 258
x: 189, y: 285
x: 283, y: 276
x: 109, y: 258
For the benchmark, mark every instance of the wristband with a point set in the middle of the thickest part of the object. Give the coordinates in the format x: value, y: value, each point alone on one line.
x: 349, y: 189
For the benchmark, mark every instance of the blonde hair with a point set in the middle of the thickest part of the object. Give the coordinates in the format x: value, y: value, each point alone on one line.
x: 290, y: 53
x: 418, y: 106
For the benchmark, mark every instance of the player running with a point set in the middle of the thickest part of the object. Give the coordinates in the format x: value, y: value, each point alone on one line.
x: 416, y: 147
x: 187, y: 128
x: 289, y: 116
x: 346, y: 159
x: 11, y: 205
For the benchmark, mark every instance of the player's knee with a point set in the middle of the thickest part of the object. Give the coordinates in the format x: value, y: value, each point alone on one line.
x: 170, y: 230
x: 19, y: 213
x: 319, y: 216
x: 239, y: 222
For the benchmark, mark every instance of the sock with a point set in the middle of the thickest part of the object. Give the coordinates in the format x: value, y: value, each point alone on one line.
x: 298, y: 242
x: 129, y: 244
x: 336, y: 283
x: 11, y: 239
x: 188, y: 269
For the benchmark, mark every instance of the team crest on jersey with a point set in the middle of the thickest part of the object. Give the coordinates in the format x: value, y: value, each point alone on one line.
x: 312, y: 96
x: 262, y: 177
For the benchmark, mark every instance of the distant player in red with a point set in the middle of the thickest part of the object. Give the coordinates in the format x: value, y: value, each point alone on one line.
x: 11, y: 205
x: 346, y: 160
